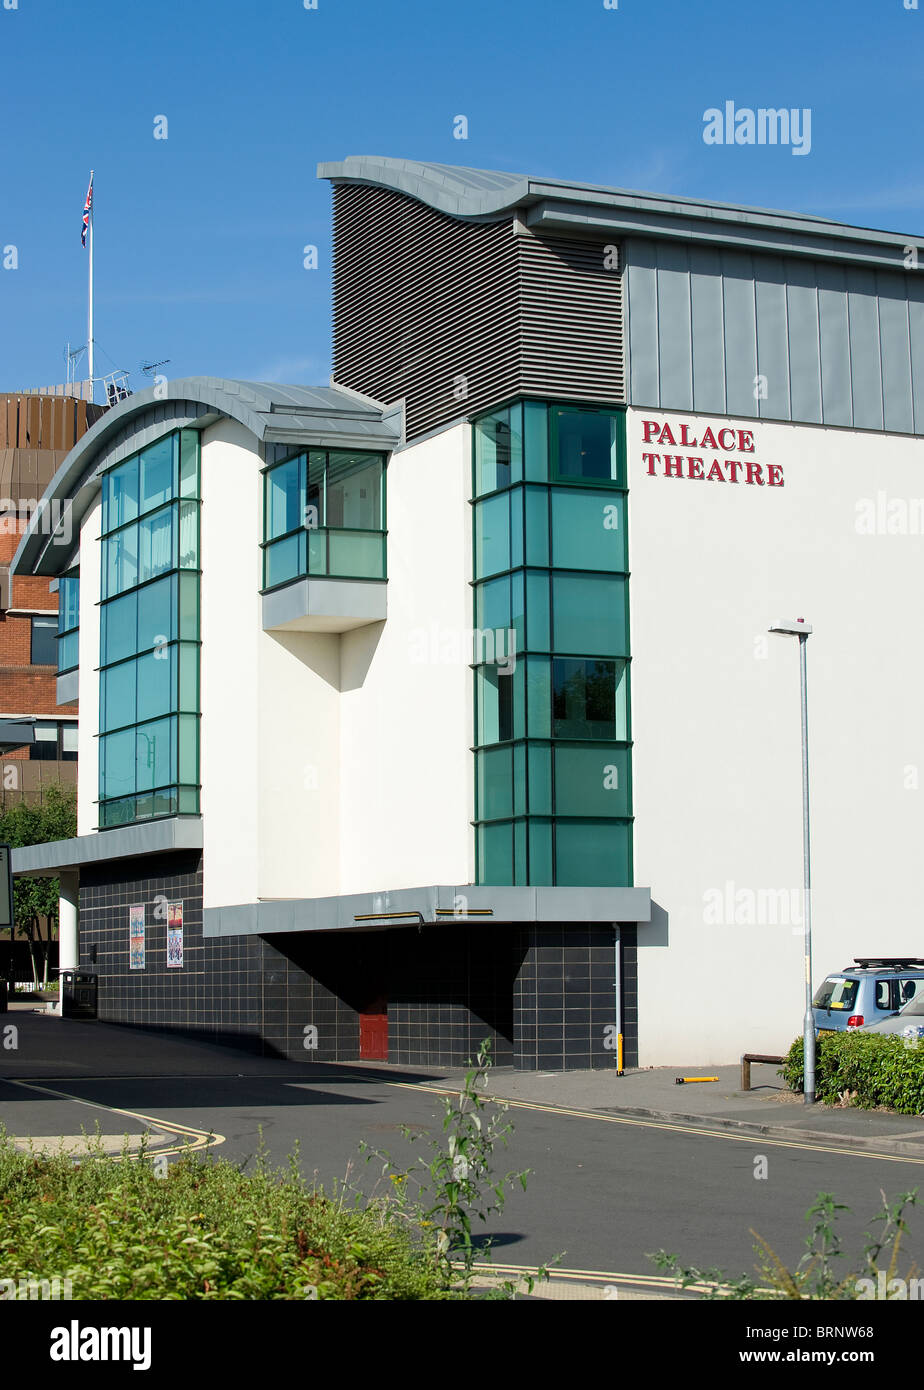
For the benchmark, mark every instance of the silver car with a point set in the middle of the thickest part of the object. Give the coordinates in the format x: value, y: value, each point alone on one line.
x: 909, y: 1021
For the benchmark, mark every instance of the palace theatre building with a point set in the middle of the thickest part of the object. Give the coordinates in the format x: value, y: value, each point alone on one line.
x: 439, y: 703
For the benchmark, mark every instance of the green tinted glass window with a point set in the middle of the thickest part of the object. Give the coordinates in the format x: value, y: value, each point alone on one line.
x: 595, y: 854
x: 157, y: 481
x: 589, y: 614
x: 588, y: 529
x: 591, y: 781
x: 586, y: 445
x: 147, y: 606
x: 498, y: 450
x: 492, y: 535
x: 494, y: 769
x: 495, y: 853
x: 589, y: 698
x: 285, y: 504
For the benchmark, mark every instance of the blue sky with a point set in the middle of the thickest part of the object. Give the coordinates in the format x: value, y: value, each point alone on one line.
x: 199, y: 237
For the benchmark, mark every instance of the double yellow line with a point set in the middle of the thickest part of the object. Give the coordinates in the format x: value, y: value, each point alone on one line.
x: 192, y: 1138
x: 701, y: 1131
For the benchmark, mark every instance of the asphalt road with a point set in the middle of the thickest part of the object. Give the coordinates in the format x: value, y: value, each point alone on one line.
x: 604, y: 1192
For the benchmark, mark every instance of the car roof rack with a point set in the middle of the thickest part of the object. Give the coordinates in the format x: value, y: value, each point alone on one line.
x: 888, y: 962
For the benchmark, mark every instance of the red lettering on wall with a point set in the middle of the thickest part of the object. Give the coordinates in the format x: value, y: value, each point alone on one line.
x: 651, y: 427
x: 651, y: 460
x: 673, y: 469
x: 722, y: 444
x: 715, y: 474
x: 665, y: 437
x: 745, y: 442
x: 733, y: 469
x: 684, y: 437
x: 757, y: 472
x: 708, y: 441
x: 694, y: 468
x: 774, y: 475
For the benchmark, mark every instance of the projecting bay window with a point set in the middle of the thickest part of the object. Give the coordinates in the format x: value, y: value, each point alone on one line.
x: 68, y: 623
x: 149, y: 634
x: 324, y: 514
x: 553, y: 787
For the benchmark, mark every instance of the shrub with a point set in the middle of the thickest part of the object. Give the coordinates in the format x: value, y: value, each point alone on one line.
x: 868, y: 1069
x: 204, y: 1230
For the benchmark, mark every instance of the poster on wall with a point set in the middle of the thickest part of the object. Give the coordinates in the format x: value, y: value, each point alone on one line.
x: 175, y: 934
x: 136, y: 936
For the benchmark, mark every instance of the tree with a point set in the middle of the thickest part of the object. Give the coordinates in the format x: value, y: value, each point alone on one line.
x: 53, y: 818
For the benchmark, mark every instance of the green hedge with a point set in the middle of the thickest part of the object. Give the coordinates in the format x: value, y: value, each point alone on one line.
x: 204, y: 1231
x: 882, y: 1069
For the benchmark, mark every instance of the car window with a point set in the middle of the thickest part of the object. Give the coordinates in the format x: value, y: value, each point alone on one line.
x: 836, y: 993
x: 915, y: 1006
x: 907, y: 989
x: 884, y: 995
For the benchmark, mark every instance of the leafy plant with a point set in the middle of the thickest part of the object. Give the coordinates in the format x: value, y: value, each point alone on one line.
x: 863, y: 1069
x: 443, y: 1193
x: 205, y: 1230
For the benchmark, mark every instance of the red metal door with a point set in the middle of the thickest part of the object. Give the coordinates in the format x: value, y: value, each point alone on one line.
x: 373, y: 1032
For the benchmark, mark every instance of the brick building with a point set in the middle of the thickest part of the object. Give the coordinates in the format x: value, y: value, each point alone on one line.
x: 36, y: 433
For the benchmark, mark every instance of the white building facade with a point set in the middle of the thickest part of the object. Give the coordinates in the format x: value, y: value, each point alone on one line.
x: 439, y: 703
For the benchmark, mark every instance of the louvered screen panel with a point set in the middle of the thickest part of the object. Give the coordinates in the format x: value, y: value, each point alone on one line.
x: 571, y: 319
x: 421, y: 299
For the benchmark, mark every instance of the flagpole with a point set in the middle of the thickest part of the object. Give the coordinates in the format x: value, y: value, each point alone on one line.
x: 90, y: 297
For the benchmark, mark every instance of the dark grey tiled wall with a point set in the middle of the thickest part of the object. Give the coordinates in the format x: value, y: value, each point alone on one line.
x: 564, y: 998
x: 449, y: 989
x: 544, y: 995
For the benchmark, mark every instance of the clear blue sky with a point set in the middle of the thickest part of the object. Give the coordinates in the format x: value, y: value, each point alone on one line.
x: 200, y: 236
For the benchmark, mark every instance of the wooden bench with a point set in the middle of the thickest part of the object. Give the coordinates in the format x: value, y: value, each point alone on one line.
x: 746, y: 1061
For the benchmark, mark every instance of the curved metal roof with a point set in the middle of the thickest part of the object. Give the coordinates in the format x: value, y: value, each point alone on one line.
x: 304, y: 416
x: 576, y: 207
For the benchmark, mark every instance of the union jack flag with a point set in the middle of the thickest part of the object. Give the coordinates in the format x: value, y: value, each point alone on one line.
x: 86, y: 212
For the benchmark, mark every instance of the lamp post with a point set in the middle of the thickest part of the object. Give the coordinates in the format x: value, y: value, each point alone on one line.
x: 801, y: 629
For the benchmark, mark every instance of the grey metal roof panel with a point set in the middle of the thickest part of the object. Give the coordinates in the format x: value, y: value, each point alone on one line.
x: 481, y: 193
x: 272, y: 412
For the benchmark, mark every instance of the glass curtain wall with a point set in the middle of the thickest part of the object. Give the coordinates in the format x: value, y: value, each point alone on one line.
x: 68, y: 622
x: 552, y: 733
x: 324, y: 514
x: 149, y: 634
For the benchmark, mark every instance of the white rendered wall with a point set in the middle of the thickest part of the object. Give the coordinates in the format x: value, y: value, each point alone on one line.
x: 406, y: 708
x: 88, y: 674
x: 232, y: 510
x: 716, y: 727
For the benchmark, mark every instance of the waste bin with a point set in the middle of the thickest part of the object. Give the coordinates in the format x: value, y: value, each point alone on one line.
x: 78, y: 994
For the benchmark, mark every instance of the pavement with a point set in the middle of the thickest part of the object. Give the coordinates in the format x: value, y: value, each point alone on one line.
x: 767, y: 1109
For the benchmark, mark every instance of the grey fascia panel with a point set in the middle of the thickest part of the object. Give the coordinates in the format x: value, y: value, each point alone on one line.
x: 16, y: 734
x: 66, y: 688
x: 882, y: 250
x: 125, y: 842
x: 525, y: 905
x: 575, y: 207
x: 320, y: 597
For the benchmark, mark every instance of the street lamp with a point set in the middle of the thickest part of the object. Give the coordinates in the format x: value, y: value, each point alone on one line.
x: 801, y: 629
